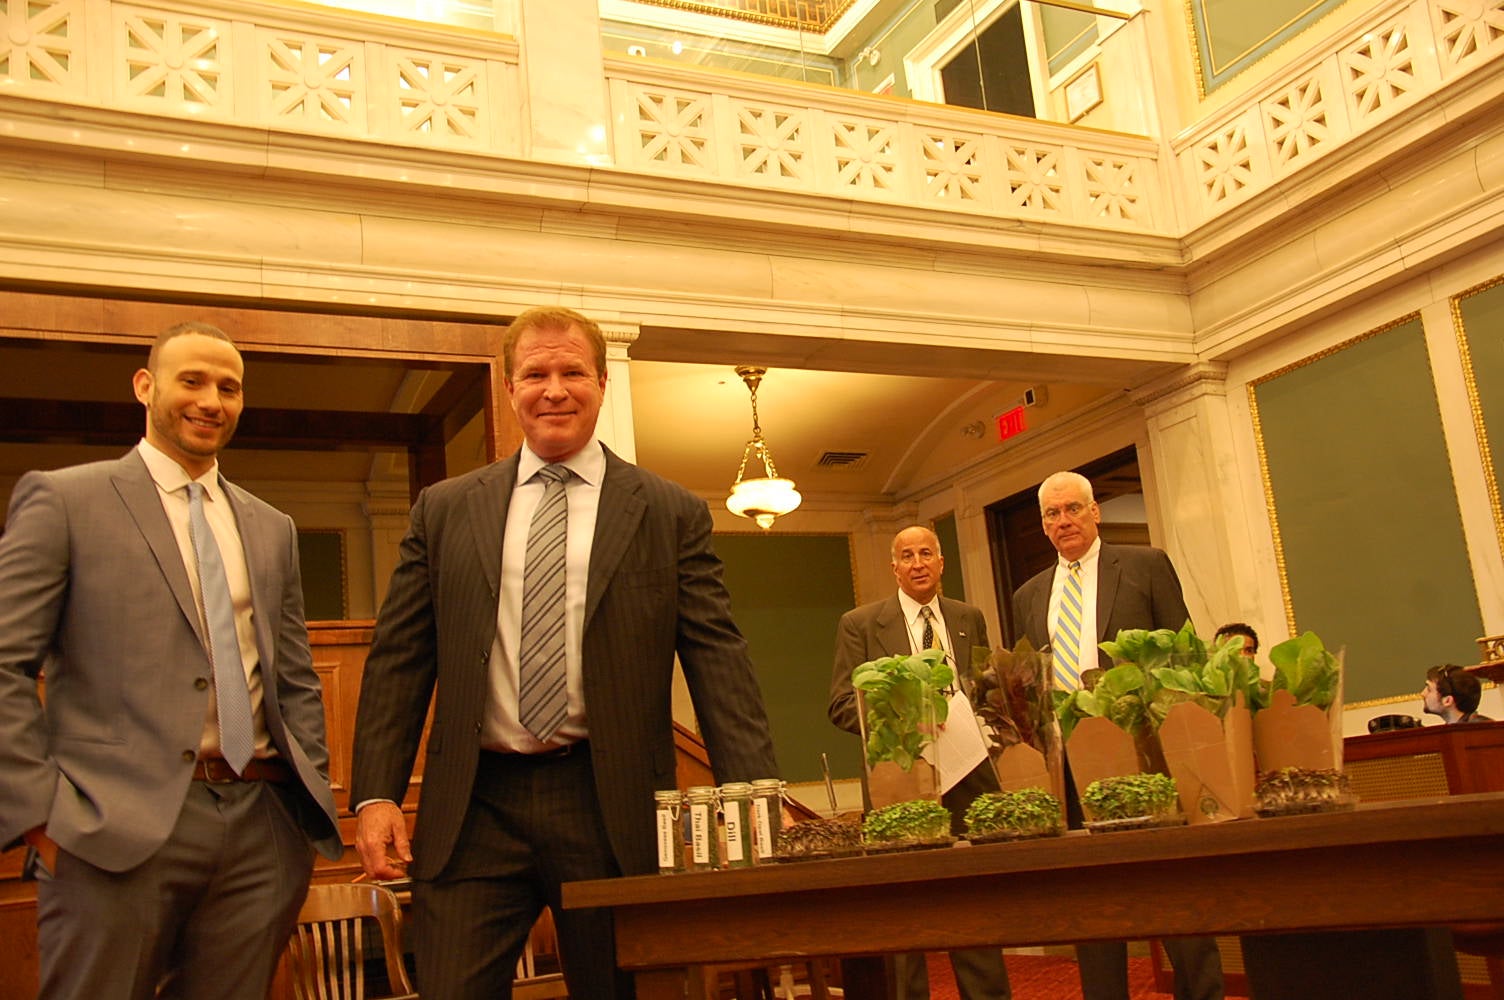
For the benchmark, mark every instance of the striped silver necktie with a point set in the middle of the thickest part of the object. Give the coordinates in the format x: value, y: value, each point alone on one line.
x: 541, y: 698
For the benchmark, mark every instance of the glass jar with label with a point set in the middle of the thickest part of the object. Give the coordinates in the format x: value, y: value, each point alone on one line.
x: 736, y: 808
x: 767, y: 817
x: 668, y: 806
x: 704, y: 840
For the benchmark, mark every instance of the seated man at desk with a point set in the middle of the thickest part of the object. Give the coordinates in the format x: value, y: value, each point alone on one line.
x: 1453, y: 693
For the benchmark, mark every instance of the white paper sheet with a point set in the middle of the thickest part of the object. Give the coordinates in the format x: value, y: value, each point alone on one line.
x: 958, y: 748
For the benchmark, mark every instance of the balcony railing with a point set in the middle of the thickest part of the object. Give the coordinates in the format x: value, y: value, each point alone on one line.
x: 331, y: 72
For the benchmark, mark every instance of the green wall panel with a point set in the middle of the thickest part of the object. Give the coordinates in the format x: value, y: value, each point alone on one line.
x: 321, y: 558
x: 1483, y: 326
x: 1375, y: 557
x: 952, y: 583
x: 787, y: 594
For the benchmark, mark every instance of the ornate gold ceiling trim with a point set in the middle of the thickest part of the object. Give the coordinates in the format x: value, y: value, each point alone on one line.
x: 805, y: 15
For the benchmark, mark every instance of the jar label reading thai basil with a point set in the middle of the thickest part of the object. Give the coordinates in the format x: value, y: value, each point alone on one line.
x: 701, y: 827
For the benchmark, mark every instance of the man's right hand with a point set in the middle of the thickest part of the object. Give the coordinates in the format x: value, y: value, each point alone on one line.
x: 44, y: 845
x: 379, y: 826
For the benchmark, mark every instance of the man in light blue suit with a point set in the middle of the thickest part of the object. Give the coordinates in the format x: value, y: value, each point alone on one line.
x: 164, y: 869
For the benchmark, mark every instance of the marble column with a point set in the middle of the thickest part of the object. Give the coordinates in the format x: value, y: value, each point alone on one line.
x: 1195, y: 472
x: 615, y: 426
x: 387, y: 516
x: 976, y: 560
x: 567, y: 109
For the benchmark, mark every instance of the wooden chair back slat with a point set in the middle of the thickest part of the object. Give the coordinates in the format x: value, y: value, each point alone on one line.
x: 327, y: 951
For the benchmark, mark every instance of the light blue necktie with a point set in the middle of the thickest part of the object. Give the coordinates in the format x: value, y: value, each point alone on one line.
x: 236, y: 741
x: 542, y: 701
x: 1067, y: 644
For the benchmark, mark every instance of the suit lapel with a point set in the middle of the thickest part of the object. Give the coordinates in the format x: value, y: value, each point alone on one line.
x: 1038, y: 611
x: 267, y: 585
x: 138, y: 493
x: 961, y: 641
x: 261, y: 567
x: 487, y: 504
x: 1109, y: 572
x: 892, y: 630
x: 616, y: 520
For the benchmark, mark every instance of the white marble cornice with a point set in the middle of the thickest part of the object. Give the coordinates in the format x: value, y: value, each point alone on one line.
x: 1204, y: 378
x: 619, y: 333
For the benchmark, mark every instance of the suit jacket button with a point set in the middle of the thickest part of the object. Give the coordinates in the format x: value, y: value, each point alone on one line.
x: 189, y: 756
x: 200, y: 684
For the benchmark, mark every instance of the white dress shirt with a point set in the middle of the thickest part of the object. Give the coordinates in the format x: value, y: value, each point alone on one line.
x: 501, y: 729
x: 172, y: 488
x: 915, y: 621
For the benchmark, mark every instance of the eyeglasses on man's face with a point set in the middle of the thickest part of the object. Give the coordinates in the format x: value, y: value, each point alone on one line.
x: 1071, y: 510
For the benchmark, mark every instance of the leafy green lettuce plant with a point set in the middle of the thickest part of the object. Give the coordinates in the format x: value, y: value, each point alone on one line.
x: 1121, y: 695
x: 1151, y: 650
x: 1160, y: 669
x: 905, y: 699
x: 1125, y: 693
x: 1303, y: 667
x: 1210, y: 681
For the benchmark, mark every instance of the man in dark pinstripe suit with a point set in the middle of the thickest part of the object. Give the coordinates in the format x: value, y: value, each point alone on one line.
x: 506, y: 817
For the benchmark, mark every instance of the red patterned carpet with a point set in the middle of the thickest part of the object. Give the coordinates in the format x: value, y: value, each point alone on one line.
x: 1043, y: 977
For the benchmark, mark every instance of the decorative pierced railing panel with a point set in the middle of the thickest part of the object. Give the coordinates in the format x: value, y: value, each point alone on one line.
x: 41, y: 44
x: 857, y: 146
x: 295, y: 69
x: 1398, y: 55
x: 306, y: 69
x: 167, y: 60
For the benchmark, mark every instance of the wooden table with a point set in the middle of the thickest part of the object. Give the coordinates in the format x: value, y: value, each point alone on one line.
x: 1417, y: 862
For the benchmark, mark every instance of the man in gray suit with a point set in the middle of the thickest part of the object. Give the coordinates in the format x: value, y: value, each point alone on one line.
x: 164, y: 869
x: 1120, y: 587
x: 512, y: 806
x: 914, y: 619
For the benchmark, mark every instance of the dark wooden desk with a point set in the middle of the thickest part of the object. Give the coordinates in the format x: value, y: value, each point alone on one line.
x: 1458, y: 760
x: 1379, y: 866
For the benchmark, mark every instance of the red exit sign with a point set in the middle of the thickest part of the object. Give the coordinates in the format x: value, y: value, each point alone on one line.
x: 1011, y: 423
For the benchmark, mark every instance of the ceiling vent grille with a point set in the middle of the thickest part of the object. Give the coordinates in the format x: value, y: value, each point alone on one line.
x: 849, y: 460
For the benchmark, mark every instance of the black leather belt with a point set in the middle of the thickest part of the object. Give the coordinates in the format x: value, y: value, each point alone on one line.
x: 216, y: 771
x: 552, y: 753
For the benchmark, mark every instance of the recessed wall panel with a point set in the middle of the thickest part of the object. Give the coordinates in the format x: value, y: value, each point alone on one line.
x: 1365, y: 511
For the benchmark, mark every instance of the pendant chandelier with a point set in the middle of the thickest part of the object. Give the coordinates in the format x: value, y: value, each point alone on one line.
x: 767, y: 497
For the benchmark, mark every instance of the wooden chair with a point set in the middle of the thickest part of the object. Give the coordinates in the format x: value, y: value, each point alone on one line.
x: 537, y: 978
x: 326, y: 956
